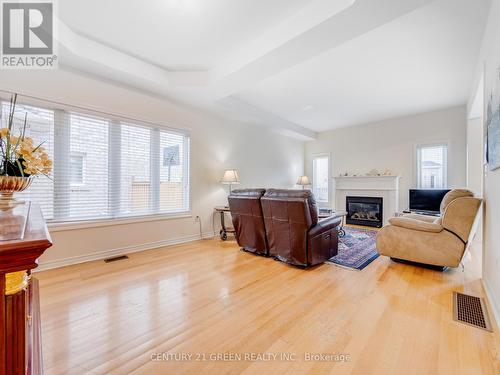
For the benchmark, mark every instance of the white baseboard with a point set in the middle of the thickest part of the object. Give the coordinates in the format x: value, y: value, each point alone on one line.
x: 119, y: 251
x: 492, y: 302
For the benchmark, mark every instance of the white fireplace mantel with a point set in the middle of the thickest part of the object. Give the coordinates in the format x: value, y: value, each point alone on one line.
x: 385, y: 187
x: 367, y: 182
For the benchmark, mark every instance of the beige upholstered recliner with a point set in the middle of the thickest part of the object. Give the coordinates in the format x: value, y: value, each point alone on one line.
x: 438, y: 241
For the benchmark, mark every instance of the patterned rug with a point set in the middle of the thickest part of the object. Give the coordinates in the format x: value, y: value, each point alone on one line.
x: 357, y: 248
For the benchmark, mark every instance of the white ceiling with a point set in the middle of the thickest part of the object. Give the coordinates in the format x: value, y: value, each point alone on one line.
x: 176, y: 34
x: 295, y: 65
x: 419, y: 62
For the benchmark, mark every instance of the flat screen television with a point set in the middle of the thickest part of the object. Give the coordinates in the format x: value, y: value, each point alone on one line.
x: 426, y: 200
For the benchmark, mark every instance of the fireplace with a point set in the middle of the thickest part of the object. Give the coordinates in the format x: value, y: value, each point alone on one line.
x: 364, y: 211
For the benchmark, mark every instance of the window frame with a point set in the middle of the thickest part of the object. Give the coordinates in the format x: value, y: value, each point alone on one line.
x: 58, y: 224
x: 328, y: 156
x: 418, y: 160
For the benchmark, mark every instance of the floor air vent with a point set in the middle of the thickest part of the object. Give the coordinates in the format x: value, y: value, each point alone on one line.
x: 470, y: 310
x: 115, y: 259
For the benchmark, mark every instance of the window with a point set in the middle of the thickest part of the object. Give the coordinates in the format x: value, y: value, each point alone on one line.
x: 105, y: 167
x: 432, y: 166
x: 135, y: 163
x: 321, y: 178
x: 77, y: 169
x: 172, y: 167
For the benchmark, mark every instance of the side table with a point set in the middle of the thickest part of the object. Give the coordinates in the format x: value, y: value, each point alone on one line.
x: 224, y: 230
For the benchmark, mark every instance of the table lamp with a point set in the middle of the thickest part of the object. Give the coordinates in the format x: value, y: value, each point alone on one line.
x: 230, y: 178
x: 303, y: 181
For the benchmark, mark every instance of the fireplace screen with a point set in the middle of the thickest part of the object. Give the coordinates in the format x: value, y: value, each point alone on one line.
x: 364, y: 211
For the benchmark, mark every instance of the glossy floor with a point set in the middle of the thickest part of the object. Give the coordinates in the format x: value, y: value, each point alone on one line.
x: 197, y: 308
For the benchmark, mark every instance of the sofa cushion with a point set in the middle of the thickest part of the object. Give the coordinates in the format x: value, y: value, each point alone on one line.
x: 304, y: 194
x: 452, y: 195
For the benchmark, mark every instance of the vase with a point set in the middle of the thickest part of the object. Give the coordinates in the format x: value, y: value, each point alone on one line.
x: 9, y: 185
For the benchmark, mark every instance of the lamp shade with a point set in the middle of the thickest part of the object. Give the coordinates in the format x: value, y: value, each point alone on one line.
x: 230, y: 177
x: 303, y: 180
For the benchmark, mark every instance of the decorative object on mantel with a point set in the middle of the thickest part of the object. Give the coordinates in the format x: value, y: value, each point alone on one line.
x: 303, y: 181
x: 373, y: 172
x: 20, y: 159
x: 388, y: 173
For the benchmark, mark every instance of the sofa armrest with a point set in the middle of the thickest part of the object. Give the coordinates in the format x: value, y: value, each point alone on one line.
x: 414, y: 224
x: 426, y: 218
x: 323, y: 240
x: 325, y: 225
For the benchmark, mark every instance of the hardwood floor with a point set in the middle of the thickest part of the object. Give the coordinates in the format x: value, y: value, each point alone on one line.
x: 207, y: 298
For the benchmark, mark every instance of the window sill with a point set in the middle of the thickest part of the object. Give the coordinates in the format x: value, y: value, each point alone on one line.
x: 73, y: 225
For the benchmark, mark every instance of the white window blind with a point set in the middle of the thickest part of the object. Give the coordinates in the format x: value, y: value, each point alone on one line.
x: 321, y: 176
x: 77, y: 169
x: 105, y: 168
x: 432, y: 166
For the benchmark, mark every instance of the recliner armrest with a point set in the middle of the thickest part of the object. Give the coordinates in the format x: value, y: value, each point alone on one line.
x: 325, y: 225
x: 426, y: 218
x: 414, y: 224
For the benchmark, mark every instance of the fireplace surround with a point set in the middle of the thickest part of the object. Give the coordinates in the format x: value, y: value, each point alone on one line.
x: 367, y: 211
x: 386, y: 187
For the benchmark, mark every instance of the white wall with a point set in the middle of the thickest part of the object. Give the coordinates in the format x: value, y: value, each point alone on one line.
x: 263, y: 159
x: 475, y: 164
x: 488, y: 64
x: 475, y: 156
x: 392, y: 145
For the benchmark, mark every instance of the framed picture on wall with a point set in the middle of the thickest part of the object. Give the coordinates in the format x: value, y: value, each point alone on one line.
x: 492, y: 144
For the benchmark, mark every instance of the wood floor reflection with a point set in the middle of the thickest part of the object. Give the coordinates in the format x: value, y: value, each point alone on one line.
x: 207, y: 307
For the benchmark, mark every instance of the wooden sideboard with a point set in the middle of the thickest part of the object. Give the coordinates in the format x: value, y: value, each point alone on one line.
x: 20, y: 343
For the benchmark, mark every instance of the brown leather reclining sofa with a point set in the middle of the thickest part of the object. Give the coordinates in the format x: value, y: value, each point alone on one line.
x: 283, y: 224
x: 248, y: 221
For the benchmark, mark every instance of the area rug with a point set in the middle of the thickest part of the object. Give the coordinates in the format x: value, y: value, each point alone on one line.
x: 357, y: 248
